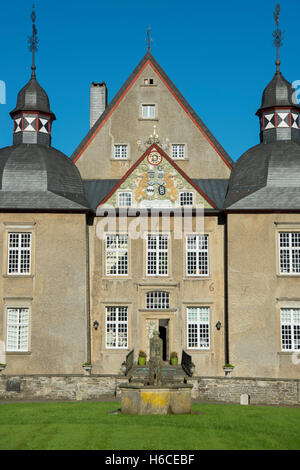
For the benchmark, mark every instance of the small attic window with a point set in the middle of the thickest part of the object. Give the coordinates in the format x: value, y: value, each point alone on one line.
x: 148, y: 81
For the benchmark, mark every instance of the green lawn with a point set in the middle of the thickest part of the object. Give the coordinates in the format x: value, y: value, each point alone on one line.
x: 90, y: 425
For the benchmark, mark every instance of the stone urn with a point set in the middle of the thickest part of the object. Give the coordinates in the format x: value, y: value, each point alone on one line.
x: 87, y: 369
x: 228, y: 368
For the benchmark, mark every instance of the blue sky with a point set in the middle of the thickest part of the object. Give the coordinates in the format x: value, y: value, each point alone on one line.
x: 219, y: 54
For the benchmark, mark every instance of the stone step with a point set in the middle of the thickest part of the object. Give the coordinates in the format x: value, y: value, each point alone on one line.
x: 169, y: 372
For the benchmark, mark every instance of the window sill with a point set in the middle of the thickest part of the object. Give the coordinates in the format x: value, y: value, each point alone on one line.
x: 113, y: 159
x: 157, y: 310
x: 18, y: 276
x: 197, y: 278
x: 288, y: 353
x: 202, y: 351
x: 18, y: 353
x: 288, y: 276
x: 148, y: 119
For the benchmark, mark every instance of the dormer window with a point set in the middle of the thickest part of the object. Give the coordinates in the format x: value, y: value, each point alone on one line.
x: 120, y: 151
x: 148, y: 111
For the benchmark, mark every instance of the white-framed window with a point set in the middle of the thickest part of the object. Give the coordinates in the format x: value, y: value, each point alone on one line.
x: 197, y: 263
x: 121, y: 151
x: 148, y: 111
x: 157, y: 300
x: 178, y: 151
x: 116, y: 327
x: 186, y: 198
x: 198, y: 327
x: 157, y: 255
x: 19, y: 253
x: 290, y: 329
x: 289, y: 252
x: 17, y: 329
x: 125, y: 199
x: 116, y: 254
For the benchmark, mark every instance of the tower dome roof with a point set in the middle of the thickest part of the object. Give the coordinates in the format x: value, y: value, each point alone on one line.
x: 33, y: 97
x: 279, y: 92
x: 266, y: 176
x: 34, y: 176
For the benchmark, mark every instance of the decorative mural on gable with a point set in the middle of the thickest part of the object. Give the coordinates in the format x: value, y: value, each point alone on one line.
x: 155, y: 182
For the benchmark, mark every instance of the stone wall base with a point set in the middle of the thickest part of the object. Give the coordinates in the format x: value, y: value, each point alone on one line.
x: 59, y: 387
x: 262, y: 391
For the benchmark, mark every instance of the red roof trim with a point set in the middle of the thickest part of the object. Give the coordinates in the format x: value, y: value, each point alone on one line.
x: 170, y: 161
x: 189, y: 114
x: 110, y: 112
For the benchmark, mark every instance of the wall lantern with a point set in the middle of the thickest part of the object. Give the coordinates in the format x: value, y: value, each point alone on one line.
x: 96, y: 325
x: 218, y: 325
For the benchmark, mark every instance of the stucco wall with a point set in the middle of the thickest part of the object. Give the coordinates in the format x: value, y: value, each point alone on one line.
x: 256, y: 294
x: 125, y: 126
x: 54, y: 292
x: 184, y: 292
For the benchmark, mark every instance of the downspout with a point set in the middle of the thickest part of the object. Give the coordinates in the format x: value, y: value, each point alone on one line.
x: 226, y: 325
x: 89, y: 222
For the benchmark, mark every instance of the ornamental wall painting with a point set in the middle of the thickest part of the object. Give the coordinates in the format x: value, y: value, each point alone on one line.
x: 156, y: 183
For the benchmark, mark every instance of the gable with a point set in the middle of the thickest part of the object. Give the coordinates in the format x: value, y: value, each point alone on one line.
x: 176, y: 121
x: 155, y: 181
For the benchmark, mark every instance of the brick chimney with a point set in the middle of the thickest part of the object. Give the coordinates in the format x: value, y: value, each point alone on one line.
x: 98, y: 101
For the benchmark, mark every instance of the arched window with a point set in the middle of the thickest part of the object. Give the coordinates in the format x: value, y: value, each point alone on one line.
x: 157, y: 300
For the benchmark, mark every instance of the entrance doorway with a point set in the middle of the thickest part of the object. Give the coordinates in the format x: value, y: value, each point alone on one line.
x: 164, y: 335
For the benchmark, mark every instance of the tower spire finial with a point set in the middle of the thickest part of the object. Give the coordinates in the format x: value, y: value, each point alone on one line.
x: 277, y: 35
x: 149, y: 40
x: 33, y: 41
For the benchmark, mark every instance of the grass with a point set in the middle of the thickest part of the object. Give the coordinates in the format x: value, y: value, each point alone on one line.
x: 89, y: 425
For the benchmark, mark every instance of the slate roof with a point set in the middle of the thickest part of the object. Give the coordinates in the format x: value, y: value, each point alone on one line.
x: 32, y: 97
x: 279, y: 92
x: 215, y: 189
x: 267, y: 176
x: 34, y: 176
x: 171, y: 85
x: 97, y: 190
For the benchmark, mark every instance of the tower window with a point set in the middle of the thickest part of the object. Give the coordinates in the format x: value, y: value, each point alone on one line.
x: 290, y: 329
x: 19, y: 253
x: 17, y: 329
x: 289, y: 252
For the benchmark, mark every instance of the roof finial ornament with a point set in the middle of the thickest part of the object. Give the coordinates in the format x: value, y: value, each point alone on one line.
x: 33, y: 41
x: 277, y: 35
x: 149, y: 39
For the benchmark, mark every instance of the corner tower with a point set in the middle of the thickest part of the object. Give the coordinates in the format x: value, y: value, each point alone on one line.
x: 32, y: 116
x: 279, y: 110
